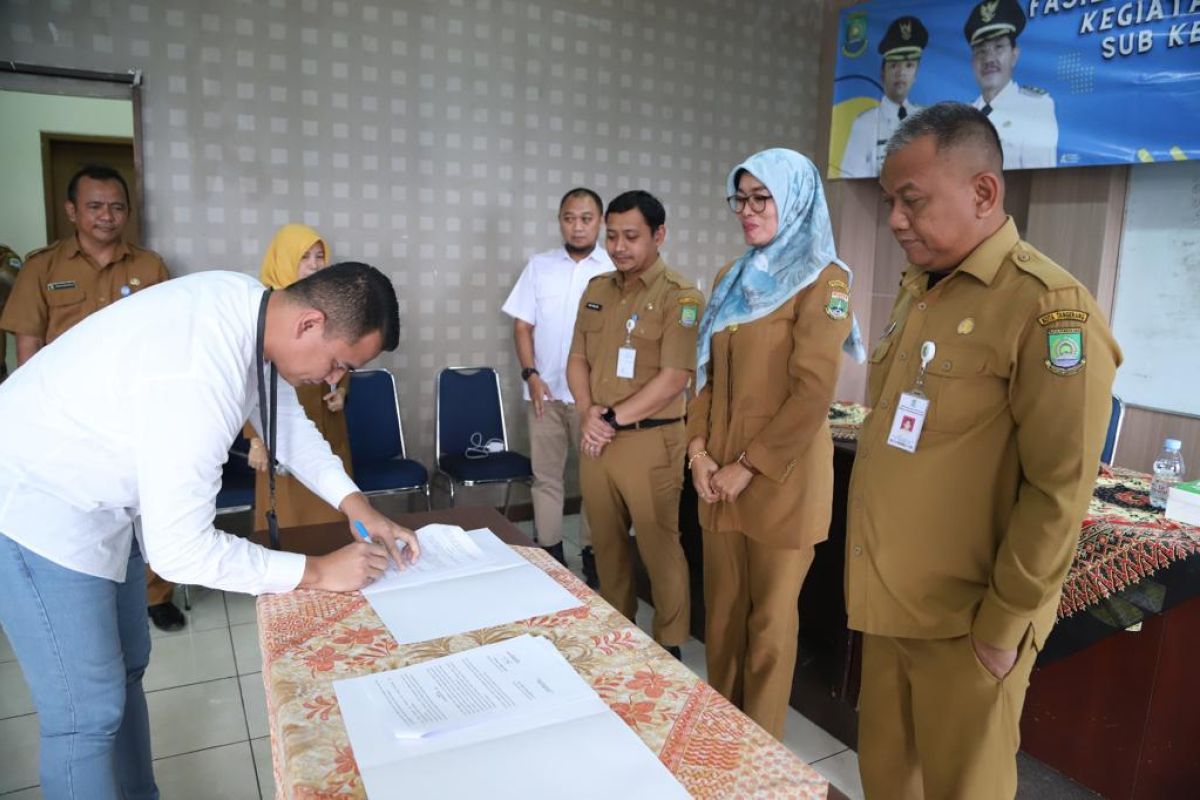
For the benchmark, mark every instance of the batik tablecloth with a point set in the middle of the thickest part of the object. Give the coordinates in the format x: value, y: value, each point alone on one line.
x: 310, y: 639
x: 1123, y: 541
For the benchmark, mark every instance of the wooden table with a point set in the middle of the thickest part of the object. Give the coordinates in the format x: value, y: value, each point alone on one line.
x: 309, y: 639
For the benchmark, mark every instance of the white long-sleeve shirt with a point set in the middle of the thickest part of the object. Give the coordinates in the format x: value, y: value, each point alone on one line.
x: 546, y: 295
x: 133, y: 411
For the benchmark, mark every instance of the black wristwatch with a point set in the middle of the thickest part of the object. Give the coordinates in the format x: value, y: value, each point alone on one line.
x: 610, y: 416
x: 528, y: 372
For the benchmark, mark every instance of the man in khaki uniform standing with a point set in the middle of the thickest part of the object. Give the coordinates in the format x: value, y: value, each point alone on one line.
x: 10, y: 265
x: 66, y: 281
x: 632, y: 355
x: 990, y: 391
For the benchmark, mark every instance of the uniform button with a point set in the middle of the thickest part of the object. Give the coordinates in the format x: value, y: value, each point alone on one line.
x: 857, y: 550
x: 903, y: 356
x: 921, y: 306
x: 946, y: 365
x: 1022, y: 256
x: 885, y: 404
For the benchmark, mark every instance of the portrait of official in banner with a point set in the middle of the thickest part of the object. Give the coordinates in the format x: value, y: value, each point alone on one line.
x: 901, y: 49
x: 1023, y: 115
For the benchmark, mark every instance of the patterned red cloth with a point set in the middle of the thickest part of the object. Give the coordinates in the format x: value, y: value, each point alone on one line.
x: 309, y: 639
x: 1123, y: 541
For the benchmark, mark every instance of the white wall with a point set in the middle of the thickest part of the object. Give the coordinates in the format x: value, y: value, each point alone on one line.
x: 433, y: 139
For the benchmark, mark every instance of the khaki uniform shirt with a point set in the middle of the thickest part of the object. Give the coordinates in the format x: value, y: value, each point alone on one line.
x: 60, y: 285
x: 770, y: 385
x: 974, y: 532
x: 668, y: 309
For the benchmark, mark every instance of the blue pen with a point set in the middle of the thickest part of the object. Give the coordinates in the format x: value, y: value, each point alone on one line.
x: 362, y: 530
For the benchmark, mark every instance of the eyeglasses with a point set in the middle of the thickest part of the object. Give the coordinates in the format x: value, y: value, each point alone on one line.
x: 757, y: 202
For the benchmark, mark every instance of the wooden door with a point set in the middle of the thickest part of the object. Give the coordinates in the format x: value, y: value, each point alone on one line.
x: 63, y: 155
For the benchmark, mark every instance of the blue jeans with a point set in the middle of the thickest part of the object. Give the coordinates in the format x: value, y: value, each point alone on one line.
x: 83, y: 644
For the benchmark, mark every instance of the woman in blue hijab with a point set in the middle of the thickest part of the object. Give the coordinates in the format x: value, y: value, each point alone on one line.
x: 759, y: 448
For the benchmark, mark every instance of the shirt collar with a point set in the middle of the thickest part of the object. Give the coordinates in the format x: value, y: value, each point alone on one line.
x: 983, y: 262
x: 648, y: 277
x: 75, y: 249
x: 592, y: 256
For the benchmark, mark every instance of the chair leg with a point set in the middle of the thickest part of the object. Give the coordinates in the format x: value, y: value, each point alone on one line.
x: 428, y: 499
x: 450, y: 485
x: 187, y: 597
x: 507, y: 497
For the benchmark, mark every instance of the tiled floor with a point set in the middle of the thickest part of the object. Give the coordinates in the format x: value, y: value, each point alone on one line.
x: 208, y: 719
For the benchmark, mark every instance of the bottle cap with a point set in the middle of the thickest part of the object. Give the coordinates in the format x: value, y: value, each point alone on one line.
x: 1172, y: 444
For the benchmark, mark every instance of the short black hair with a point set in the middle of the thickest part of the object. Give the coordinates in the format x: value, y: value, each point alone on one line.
x: 648, y: 204
x: 951, y: 125
x: 581, y: 191
x: 97, y: 172
x: 355, y: 298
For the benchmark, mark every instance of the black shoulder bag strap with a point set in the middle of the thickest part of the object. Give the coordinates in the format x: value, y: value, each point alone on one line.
x: 267, y: 416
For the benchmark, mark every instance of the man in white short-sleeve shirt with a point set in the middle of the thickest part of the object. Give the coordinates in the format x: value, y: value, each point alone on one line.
x: 131, y: 413
x: 543, y: 304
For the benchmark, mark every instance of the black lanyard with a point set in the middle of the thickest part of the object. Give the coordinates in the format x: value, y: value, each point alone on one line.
x: 267, y: 416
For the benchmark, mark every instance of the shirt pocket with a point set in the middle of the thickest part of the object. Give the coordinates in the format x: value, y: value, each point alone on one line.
x: 963, y: 391
x: 647, y: 340
x: 64, y: 298
x: 591, y: 325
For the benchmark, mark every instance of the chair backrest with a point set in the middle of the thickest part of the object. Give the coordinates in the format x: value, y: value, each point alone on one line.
x: 373, y: 417
x: 468, y: 403
x: 237, y: 478
x: 1116, y: 417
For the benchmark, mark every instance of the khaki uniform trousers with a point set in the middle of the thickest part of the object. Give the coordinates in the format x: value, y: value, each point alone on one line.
x: 751, y: 592
x: 935, y: 724
x: 638, y: 479
x: 550, y: 440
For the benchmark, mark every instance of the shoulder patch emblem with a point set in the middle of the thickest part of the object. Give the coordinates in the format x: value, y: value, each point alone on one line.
x: 593, y: 306
x: 1065, y: 350
x: 1067, y: 314
x: 837, y: 285
x: 689, y: 312
x: 1033, y: 91
x: 838, y: 305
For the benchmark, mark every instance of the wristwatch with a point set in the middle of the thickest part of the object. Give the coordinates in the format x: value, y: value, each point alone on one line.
x: 528, y: 372
x: 610, y: 416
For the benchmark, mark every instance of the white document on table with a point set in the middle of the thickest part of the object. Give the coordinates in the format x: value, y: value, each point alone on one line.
x: 463, y: 581
x: 465, y: 726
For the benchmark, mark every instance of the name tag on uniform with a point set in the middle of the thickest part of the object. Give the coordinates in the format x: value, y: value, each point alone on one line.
x: 57, y: 285
x: 907, y: 424
x: 626, y: 357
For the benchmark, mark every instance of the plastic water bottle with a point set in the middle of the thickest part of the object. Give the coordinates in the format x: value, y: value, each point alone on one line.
x: 1168, y: 471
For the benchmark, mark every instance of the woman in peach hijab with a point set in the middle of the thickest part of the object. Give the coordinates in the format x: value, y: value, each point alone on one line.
x: 296, y: 252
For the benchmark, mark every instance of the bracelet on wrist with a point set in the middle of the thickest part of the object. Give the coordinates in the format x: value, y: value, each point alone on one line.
x: 692, y: 458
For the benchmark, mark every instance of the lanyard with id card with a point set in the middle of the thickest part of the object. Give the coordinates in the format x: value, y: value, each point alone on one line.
x: 627, y: 355
x: 912, y: 408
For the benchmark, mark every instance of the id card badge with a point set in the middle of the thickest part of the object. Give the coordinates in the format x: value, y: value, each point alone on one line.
x: 909, y: 419
x: 626, y: 357
x: 912, y: 408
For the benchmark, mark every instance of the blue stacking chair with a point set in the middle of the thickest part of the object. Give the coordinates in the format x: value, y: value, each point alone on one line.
x: 237, y: 479
x: 377, y: 438
x: 471, y: 438
x: 1116, y: 418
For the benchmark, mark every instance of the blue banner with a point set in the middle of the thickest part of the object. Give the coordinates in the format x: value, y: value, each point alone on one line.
x: 1066, y: 82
